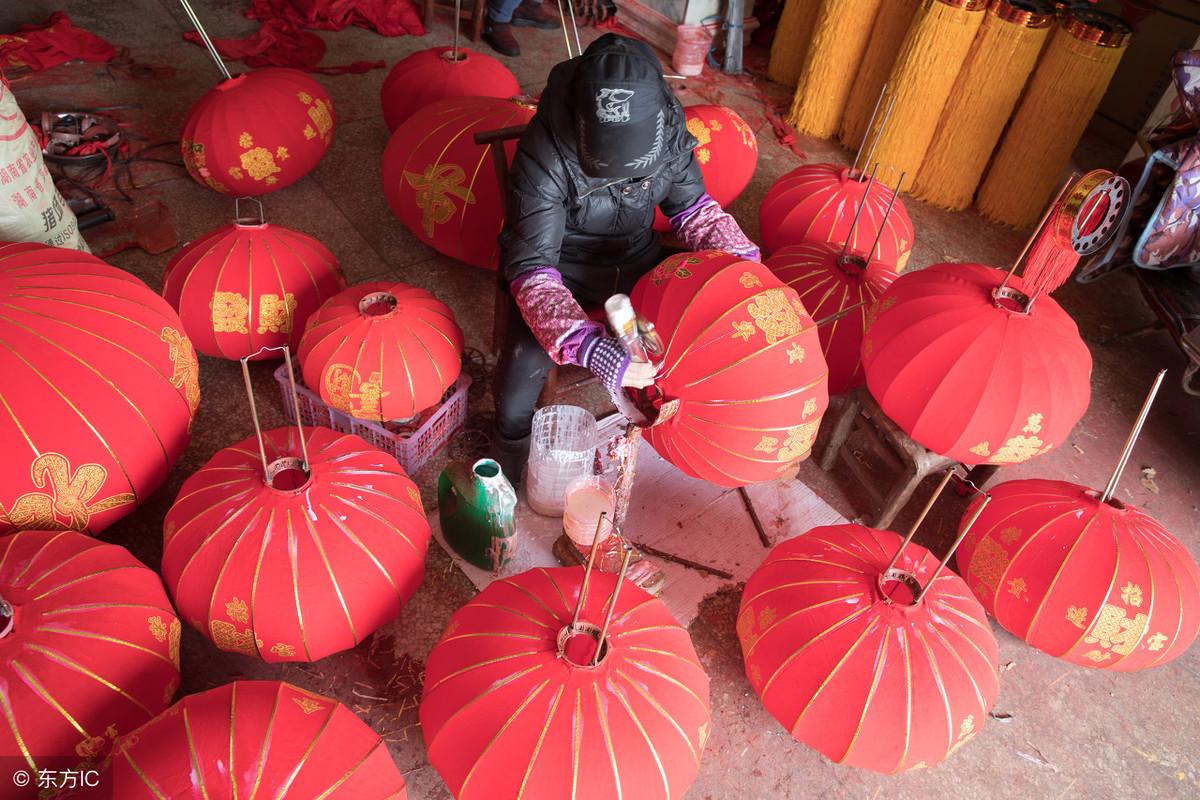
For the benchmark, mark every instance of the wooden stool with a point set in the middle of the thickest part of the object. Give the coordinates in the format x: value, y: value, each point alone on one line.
x: 472, y: 13
x: 859, y: 412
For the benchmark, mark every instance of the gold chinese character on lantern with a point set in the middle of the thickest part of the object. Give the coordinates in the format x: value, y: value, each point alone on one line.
x: 275, y: 313
x: 434, y: 189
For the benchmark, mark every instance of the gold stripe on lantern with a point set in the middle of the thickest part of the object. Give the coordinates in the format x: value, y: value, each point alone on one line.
x: 1061, y: 98
x: 839, y: 40
x: 791, y: 40
x: 987, y: 90
x: 891, y: 25
x: 922, y: 78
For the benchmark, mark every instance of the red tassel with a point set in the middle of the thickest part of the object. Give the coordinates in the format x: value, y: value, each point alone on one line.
x: 1050, y: 263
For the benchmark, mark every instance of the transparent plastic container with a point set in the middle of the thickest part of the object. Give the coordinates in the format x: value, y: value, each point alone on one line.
x: 562, y: 450
x: 691, y: 49
x: 586, y: 499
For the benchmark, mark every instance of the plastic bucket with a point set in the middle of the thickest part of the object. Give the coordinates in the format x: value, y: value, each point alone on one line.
x: 562, y: 450
x: 691, y: 49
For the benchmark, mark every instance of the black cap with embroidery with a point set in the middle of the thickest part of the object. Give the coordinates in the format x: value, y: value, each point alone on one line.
x: 620, y: 109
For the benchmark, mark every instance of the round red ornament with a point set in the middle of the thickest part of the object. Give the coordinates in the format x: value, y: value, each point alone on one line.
x: 850, y: 666
x: 442, y: 185
x: 743, y: 384
x: 255, y: 739
x: 818, y: 202
x: 430, y: 75
x: 257, y: 132
x: 1097, y: 584
x: 245, y: 286
x: 972, y: 377
x: 304, y: 562
x: 513, y: 708
x: 382, y: 351
x: 830, y: 283
x: 101, y: 386
x: 92, y: 651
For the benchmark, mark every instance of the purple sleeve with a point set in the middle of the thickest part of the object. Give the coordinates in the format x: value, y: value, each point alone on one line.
x: 552, y: 313
x: 706, y: 226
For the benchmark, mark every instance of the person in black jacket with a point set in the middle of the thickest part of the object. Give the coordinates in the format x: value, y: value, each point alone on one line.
x: 608, y: 145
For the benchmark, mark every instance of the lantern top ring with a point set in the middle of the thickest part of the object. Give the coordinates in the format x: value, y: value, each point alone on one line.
x: 284, y: 470
x: 246, y: 221
x: 1011, y: 300
x: 377, y: 304
x: 455, y: 56
x: 574, y: 629
x: 905, y: 579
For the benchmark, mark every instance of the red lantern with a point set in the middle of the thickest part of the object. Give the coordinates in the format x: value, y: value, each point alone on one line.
x: 255, y: 739
x: 244, y: 287
x: 512, y: 707
x: 1098, y: 584
x: 743, y: 384
x: 257, y: 132
x: 92, y: 651
x: 851, y: 666
x: 829, y: 284
x: 430, y: 75
x: 972, y: 377
x: 442, y: 185
x: 818, y: 202
x: 101, y: 387
x: 382, y: 351
x: 302, y: 563
x: 726, y: 151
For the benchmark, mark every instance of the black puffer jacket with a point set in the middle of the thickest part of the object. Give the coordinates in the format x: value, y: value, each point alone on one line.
x: 596, y: 231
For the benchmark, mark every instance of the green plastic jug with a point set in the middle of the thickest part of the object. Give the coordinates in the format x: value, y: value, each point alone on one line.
x: 477, y: 506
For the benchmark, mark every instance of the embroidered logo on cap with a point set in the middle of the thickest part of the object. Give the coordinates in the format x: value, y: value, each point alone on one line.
x: 612, y: 105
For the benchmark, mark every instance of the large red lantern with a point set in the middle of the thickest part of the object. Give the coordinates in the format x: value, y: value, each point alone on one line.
x: 442, y: 185
x: 245, y: 287
x: 818, y: 202
x: 831, y: 284
x: 89, y: 650
x: 382, y: 351
x: 255, y: 739
x: 851, y: 666
x: 512, y: 706
x: 971, y: 374
x: 1100, y: 584
x: 101, y: 386
x: 302, y: 562
x: 257, y: 132
x: 430, y: 75
x: 743, y: 384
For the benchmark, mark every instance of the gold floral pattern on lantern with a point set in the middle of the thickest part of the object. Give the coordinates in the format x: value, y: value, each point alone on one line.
x: 774, y: 315
x: 1077, y: 616
x: 1033, y: 424
x: 186, y: 370
x: 237, y: 610
x: 283, y: 650
x: 989, y: 563
x: 307, y: 704
x: 1017, y: 449
x: 338, y: 380
x: 1131, y: 593
x: 321, y: 116
x: 810, y: 408
x: 434, y: 189
x: 674, y: 267
x: 982, y: 449
x: 766, y: 445
x: 799, y: 442
x: 275, y: 313
x: 742, y: 128
x: 230, y: 313
x: 227, y: 637
x: 158, y: 628
x: 1010, y: 534
x: 796, y: 354
x: 749, y: 280
x: 90, y: 748
x: 1156, y: 641
x: 743, y: 330
x: 68, y: 504
x: 1115, y: 630
x: 1017, y: 587
x: 258, y: 162
x: 174, y: 637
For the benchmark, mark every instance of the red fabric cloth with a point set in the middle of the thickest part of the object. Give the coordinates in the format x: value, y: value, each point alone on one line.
x: 56, y: 41
x: 279, y: 43
x: 386, y: 17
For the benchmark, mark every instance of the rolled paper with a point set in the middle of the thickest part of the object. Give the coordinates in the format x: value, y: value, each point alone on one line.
x: 791, y: 40
x: 891, y: 26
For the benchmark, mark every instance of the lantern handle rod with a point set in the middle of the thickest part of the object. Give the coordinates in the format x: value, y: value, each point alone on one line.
x: 839, y: 314
x: 208, y: 43
x: 987, y: 498
x: 1134, y: 433
x: 287, y: 357
x: 562, y: 19
x: 886, y: 213
x: 612, y: 604
x: 237, y: 211
x: 457, y: 22
x: 912, y: 531
x: 587, y: 571
x: 858, y: 211
x: 887, y: 116
x: 262, y: 447
x: 1033, y: 237
x: 870, y: 126
x: 574, y: 27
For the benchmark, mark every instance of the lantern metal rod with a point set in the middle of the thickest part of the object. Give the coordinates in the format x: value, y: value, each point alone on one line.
x: 867, y: 133
x: 834, y: 317
x: 1134, y: 433
x: 208, y: 43
x: 886, y: 213
x: 287, y: 357
x: 987, y: 498
x: 858, y: 211
x: 587, y: 571
x: 457, y: 22
x: 262, y: 447
x: 562, y: 19
x: 887, y: 115
x: 1038, y: 230
x: 574, y: 27
x: 612, y: 604
x: 912, y: 531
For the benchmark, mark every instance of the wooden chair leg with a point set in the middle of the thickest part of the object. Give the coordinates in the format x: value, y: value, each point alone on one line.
x: 840, y: 432
x: 427, y: 15
x: 898, y: 497
x: 477, y: 18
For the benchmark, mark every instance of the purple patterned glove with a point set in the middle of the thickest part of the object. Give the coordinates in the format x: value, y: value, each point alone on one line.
x: 607, y: 360
x: 558, y: 322
x: 706, y: 226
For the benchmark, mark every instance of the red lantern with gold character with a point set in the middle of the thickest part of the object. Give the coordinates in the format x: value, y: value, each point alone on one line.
x: 743, y: 384
x: 101, y: 386
x: 257, y: 132
x: 248, y: 286
x: 303, y: 561
x: 442, y: 185
x: 382, y: 351
x: 253, y: 738
x: 89, y: 648
x: 435, y: 74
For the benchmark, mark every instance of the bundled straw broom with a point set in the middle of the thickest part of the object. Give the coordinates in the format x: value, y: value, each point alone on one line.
x: 791, y: 40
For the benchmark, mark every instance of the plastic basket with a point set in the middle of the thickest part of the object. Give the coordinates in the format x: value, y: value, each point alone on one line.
x: 431, y: 431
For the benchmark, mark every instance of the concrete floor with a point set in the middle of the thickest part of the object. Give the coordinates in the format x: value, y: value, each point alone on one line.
x: 1070, y: 733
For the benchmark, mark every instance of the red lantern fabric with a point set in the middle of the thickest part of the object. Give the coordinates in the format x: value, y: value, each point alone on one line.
x: 257, y: 132
x: 430, y: 75
x: 743, y: 384
x: 442, y: 185
x: 255, y: 739
x: 298, y: 567
x: 726, y: 150
x: 1097, y: 584
x: 850, y: 666
x: 93, y: 651
x: 101, y: 386
x: 241, y: 288
x: 829, y: 284
x: 505, y: 715
x: 970, y: 378
x: 382, y: 351
x: 817, y: 202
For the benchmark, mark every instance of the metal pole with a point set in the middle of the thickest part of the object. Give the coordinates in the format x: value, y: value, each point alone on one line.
x: 870, y: 125
x: 574, y: 27
x: 839, y: 314
x: 287, y: 356
x: 887, y: 213
x: 587, y: 571
x: 212, y: 50
x: 1041, y: 224
x: 612, y: 605
x: 858, y: 211
x: 734, y: 22
x: 1132, y: 439
x: 562, y: 18
x: 457, y: 22
x: 262, y: 447
x: 920, y: 519
x: 887, y: 115
x: 987, y: 498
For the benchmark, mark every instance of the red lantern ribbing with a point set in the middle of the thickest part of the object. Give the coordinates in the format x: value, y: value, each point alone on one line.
x: 430, y: 75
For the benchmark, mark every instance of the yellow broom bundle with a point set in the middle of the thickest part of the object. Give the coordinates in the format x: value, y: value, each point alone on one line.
x: 987, y: 90
x: 839, y: 40
x: 1063, y: 93
x: 922, y: 78
x: 891, y: 25
x: 791, y: 40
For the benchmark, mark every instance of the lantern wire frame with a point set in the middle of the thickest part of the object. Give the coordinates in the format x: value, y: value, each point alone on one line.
x: 1131, y: 440
x: 576, y: 627
x: 208, y: 43
x: 270, y: 470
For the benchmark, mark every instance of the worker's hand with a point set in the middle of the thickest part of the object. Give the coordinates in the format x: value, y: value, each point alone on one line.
x: 638, y: 375
x: 609, y: 362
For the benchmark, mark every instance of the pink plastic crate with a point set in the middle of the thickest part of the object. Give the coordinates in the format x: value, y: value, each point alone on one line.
x: 412, y: 450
